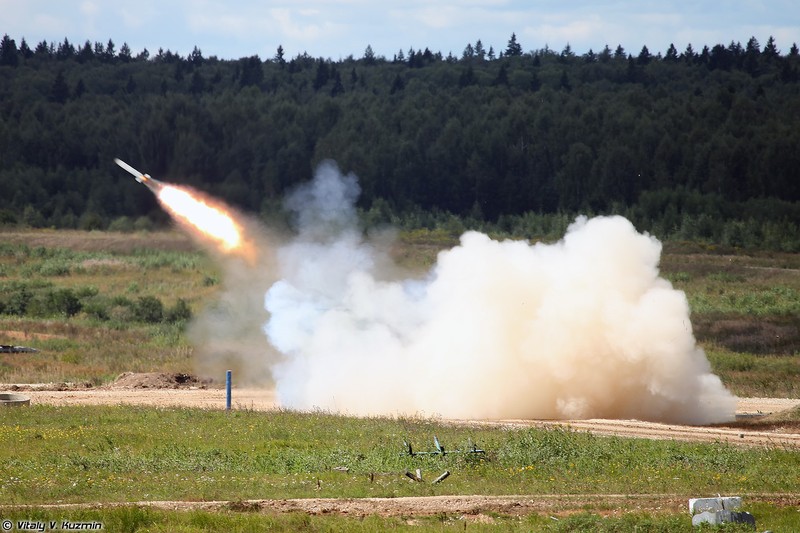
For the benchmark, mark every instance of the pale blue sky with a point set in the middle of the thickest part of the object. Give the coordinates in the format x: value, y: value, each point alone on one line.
x: 231, y: 29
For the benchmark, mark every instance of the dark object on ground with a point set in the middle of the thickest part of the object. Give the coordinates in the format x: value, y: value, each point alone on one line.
x: 7, y: 348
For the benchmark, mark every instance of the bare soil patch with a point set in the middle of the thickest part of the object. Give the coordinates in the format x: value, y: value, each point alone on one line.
x: 28, y: 335
x: 470, y: 508
x: 778, y: 335
x: 153, y: 389
x: 158, y: 380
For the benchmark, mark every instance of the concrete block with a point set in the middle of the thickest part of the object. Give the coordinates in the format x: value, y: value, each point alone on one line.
x: 722, y: 503
x: 721, y: 517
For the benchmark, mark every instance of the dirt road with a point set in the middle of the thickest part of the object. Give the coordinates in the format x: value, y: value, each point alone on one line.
x: 153, y: 392
x: 467, y: 508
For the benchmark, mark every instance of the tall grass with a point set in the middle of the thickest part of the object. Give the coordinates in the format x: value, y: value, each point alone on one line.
x: 749, y: 375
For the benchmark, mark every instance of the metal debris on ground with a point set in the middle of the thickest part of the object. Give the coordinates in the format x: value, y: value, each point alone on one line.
x: 414, y: 476
x: 440, y: 449
x: 441, y: 478
x: 7, y: 348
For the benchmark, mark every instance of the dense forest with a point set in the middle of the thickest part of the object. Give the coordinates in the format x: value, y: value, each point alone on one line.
x: 698, y: 144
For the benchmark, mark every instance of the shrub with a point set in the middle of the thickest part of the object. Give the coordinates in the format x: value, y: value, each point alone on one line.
x: 143, y: 224
x: 121, y: 224
x: 91, y: 221
x: 18, y: 301
x: 65, y: 302
x: 148, y: 309
x: 58, y: 302
x: 180, y: 312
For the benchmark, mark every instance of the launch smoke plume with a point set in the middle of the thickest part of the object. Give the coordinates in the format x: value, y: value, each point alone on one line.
x: 227, y: 335
x: 581, y: 328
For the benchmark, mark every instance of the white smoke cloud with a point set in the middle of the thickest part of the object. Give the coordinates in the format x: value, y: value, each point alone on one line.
x: 583, y: 328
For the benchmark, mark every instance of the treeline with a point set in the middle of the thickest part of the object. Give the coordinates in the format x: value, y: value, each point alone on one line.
x: 692, y: 139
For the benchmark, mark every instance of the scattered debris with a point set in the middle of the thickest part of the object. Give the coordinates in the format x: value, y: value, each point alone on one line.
x: 723, y: 517
x: 440, y: 449
x: 414, y: 476
x: 441, y: 478
x: 159, y: 380
x: 7, y: 348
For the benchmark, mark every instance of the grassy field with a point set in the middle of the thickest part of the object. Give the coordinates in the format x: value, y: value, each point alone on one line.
x: 745, y: 308
x: 98, y: 304
x: 115, y: 279
x: 123, y: 454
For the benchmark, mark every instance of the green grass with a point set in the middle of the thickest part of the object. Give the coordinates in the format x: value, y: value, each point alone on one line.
x: 145, y: 519
x: 126, y: 454
x: 745, y: 315
x: 749, y: 375
x: 77, y: 454
x: 110, y: 333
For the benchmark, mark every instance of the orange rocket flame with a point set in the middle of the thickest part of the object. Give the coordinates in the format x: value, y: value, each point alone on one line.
x: 211, y: 221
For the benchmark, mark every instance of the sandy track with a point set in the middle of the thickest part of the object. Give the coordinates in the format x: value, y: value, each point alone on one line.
x: 470, y: 508
x: 254, y: 399
x: 263, y: 399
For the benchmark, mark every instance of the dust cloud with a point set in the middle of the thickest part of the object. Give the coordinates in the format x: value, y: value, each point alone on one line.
x: 227, y: 334
x: 581, y: 328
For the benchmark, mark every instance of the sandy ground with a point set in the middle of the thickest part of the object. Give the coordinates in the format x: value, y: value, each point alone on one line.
x: 262, y: 399
x: 468, y: 508
x: 204, y: 398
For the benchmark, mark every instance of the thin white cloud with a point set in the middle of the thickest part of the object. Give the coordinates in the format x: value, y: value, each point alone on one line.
x: 89, y: 9
x: 134, y: 18
x: 48, y: 24
x: 300, y: 26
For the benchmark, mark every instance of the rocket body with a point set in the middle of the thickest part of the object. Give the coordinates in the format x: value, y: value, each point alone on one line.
x: 145, y: 179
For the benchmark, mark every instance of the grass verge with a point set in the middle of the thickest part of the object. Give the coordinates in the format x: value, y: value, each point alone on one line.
x: 155, y: 520
x: 119, y: 454
x: 124, y: 454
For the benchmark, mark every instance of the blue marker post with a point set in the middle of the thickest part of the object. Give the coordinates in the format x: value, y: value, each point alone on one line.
x: 228, y: 390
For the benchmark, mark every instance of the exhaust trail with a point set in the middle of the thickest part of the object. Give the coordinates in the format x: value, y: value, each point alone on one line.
x: 209, y: 221
x: 581, y: 328
x: 226, y: 335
